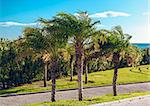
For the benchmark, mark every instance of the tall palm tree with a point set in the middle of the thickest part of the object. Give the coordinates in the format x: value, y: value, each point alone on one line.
x: 119, y: 42
x: 79, y: 28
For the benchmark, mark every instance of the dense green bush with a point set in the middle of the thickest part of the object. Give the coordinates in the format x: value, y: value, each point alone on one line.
x: 146, y: 57
x: 16, y: 69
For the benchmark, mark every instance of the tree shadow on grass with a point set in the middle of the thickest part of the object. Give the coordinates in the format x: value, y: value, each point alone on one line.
x: 139, y: 72
x: 90, y: 81
x: 16, y: 91
x: 72, y: 80
x: 7, y: 91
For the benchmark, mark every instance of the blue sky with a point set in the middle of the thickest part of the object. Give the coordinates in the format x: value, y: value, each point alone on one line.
x: 132, y: 15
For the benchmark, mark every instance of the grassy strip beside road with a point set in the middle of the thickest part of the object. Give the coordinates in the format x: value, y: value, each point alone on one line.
x: 95, y: 79
x: 89, y: 101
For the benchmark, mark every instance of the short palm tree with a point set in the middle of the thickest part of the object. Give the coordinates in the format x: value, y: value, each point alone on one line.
x: 133, y: 56
x: 71, y: 52
x: 47, y: 40
x: 93, y: 50
x: 36, y: 41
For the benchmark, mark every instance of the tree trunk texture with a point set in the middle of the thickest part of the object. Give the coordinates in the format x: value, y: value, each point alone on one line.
x: 71, y: 68
x: 45, y: 74
x: 79, y: 63
x: 3, y: 83
x: 86, y: 71
x: 53, y: 78
x: 115, y: 80
x: 9, y: 84
x: 116, y: 57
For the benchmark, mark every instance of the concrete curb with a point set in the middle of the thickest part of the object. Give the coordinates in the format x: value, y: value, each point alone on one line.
x: 28, y: 93
x: 120, y: 101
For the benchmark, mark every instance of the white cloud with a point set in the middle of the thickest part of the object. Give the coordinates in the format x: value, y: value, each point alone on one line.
x: 146, y: 13
x: 139, y: 33
x: 7, y: 24
x: 99, y: 25
x: 107, y: 14
x: 76, y: 14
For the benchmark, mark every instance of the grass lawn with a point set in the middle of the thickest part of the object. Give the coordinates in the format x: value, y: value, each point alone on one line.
x: 95, y: 79
x: 89, y: 101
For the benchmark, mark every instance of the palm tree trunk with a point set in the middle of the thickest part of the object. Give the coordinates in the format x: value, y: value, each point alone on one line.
x: 116, y: 57
x: 45, y: 74
x: 86, y: 75
x: 3, y: 83
x: 79, y: 62
x: 86, y: 72
x: 115, y: 80
x: 53, y: 77
x: 71, y: 68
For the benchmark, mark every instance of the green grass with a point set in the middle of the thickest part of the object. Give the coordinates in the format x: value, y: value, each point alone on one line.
x: 95, y: 79
x: 89, y: 101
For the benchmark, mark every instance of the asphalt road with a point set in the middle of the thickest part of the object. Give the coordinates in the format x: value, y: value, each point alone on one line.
x: 71, y: 94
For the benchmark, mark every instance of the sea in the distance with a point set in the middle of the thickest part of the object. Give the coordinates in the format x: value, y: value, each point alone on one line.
x: 142, y: 45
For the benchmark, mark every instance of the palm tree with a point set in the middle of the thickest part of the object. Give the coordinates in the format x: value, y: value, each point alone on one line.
x: 54, y: 40
x: 93, y: 48
x: 46, y: 59
x: 71, y: 67
x: 146, y: 57
x: 36, y: 41
x: 133, y: 56
x: 70, y: 50
x: 47, y: 41
x: 88, y: 50
x: 79, y: 28
x: 119, y: 42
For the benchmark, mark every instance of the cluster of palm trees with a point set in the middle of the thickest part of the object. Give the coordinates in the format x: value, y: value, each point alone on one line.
x: 84, y: 41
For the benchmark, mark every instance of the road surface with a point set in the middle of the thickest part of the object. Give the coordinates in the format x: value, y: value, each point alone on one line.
x: 71, y: 94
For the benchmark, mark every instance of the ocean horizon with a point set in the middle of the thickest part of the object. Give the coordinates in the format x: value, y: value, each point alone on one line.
x: 141, y: 45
